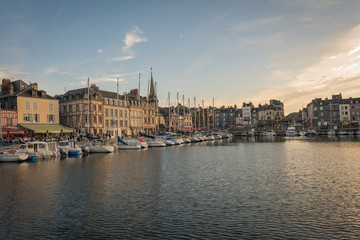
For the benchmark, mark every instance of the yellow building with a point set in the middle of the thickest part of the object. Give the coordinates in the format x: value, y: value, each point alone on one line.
x: 37, y: 111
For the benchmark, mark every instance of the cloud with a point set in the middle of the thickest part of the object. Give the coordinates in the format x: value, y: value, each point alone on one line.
x: 132, y: 37
x: 121, y: 58
x: 256, y: 24
x: 50, y: 70
x: 100, y: 51
x: 13, y: 73
x: 337, y: 71
x: 318, y: 4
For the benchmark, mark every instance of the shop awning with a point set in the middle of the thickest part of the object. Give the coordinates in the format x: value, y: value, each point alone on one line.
x: 11, y: 131
x: 43, y: 128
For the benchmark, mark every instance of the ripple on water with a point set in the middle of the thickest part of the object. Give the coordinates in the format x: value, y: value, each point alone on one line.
x: 234, y: 189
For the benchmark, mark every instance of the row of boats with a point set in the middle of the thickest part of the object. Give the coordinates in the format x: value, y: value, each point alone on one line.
x: 51, y: 149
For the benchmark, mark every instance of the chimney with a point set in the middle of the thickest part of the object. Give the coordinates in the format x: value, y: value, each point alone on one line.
x: 34, y: 85
x: 5, y: 86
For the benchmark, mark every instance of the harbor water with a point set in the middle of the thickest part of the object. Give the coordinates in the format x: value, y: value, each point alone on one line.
x: 242, y: 188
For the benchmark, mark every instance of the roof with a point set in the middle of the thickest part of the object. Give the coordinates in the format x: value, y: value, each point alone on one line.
x: 28, y: 92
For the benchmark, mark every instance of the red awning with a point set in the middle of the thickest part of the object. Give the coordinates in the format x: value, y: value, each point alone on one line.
x: 12, y: 131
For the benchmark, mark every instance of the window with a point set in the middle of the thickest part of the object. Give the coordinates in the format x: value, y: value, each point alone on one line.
x: 34, y: 105
x: 94, y: 107
x: 121, y: 123
x: 116, y: 113
x: 8, y: 122
x: 106, y: 112
x: 37, y: 118
x: 27, y: 117
x: 125, y: 114
x: 78, y: 108
x: 99, y: 108
x: 51, y: 118
x: 106, y: 123
x: 94, y: 119
x: 27, y: 105
x: 126, y: 123
x: 100, y: 119
x: 51, y: 107
x: 111, y: 112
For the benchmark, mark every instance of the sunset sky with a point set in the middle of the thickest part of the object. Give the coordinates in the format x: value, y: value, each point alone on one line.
x: 236, y: 51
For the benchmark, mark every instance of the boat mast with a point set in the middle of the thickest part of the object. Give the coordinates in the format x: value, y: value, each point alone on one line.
x: 195, y: 112
x: 157, y: 110
x: 139, y: 97
x: 88, y: 111
x: 183, y: 107
x: 169, y: 112
x: 213, y: 120
x: 203, y: 114
x: 178, y: 115
x: 118, y: 113
x: 147, y: 109
x: 189, y: 113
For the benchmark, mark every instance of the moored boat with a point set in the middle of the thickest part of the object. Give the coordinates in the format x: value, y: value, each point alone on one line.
x: 12, y: 155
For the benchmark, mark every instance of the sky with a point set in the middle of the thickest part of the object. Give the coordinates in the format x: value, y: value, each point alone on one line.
x: 233, y: 51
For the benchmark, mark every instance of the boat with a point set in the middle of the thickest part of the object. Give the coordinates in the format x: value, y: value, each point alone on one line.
x: 302, y: 133
x: 270, y: 133
x: 40, y: 149
x: 12, y: 155
x: 210, y: 138
x: 98, y: 146
x: 331, y: 132
x: 224, y: 135
x: 217, y: 136
x: 156, y: 143
x: 168, y: 141
x: 70, y: 148
x: 290, y: 131
x: 194, y: 139
x: 177, y: 141
x: 186, y: 140
x: 129, y: 144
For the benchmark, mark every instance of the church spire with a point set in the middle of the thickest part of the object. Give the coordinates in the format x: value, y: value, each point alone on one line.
x: 152, y: 94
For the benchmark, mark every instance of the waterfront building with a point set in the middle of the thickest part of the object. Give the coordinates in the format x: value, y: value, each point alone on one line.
x: 335, y: 112
x: 271, y: 114
x: 225, y: 117
x: 37, y: 112
x: 246, y: 112
x: 239, y: 117
x: 115, y: 113
x: 355, y: 110
x: 82, y: 109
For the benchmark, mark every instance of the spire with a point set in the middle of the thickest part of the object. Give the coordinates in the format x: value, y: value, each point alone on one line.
x: 152, y: 94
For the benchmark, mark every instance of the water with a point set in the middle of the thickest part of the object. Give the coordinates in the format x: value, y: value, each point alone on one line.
x: 239, y: 189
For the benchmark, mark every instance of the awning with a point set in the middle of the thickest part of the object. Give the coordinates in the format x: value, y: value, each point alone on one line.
x: 12, y: 131
x: 43, y: 128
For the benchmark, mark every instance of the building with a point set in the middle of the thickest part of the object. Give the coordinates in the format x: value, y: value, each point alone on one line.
x: 355, y: 110
x: 82, y: 110
x: 37, y: 112
x: 271, y: 114
x: 246, y: 112
x: 225, y: 117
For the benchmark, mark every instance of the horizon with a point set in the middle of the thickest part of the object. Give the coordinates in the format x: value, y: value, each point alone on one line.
x: 234, y: 51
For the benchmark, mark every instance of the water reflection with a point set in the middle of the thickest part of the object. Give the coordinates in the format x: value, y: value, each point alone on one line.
x: 232, y: 188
